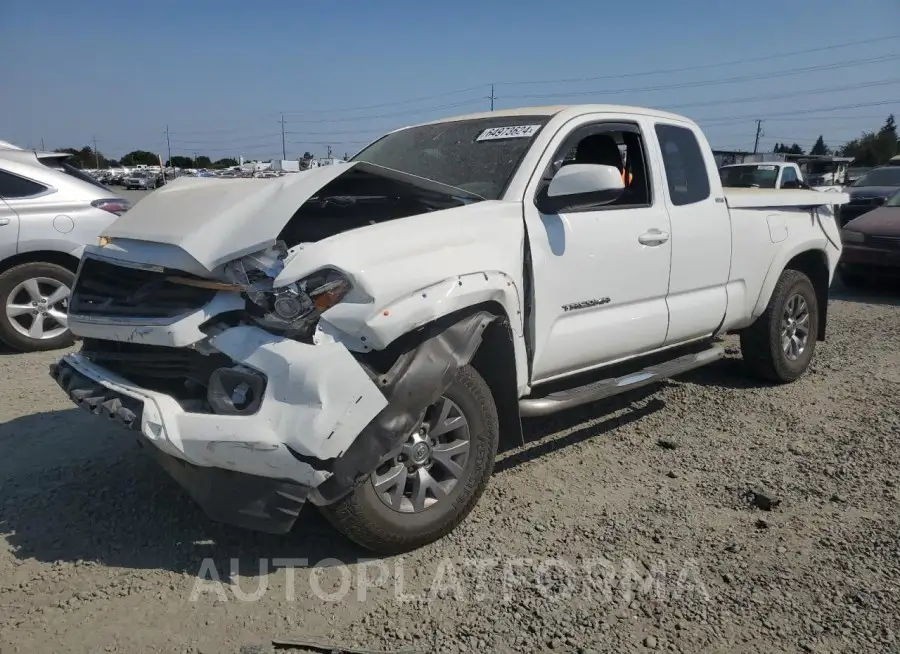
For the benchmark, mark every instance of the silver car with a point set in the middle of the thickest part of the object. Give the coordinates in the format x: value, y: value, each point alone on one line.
x: 49, y: 211
x: 141, y: 180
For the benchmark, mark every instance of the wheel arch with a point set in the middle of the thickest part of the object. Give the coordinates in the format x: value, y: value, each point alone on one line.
x: 67, y: 261
x: 416, y: 367
x: 812, y: 262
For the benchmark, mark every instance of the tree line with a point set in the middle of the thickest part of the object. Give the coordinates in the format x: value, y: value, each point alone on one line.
x: 869, y: 149
x: 86, y: 157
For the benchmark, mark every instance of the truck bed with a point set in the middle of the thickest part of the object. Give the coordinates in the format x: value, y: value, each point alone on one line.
x: 758, y: 198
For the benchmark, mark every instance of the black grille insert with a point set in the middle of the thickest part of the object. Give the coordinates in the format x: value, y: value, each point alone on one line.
x: 889, y: 242
x: 106, y: 289
x: 174, y: 370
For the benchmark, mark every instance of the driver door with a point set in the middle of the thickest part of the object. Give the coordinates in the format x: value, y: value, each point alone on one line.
x: 601, y: 274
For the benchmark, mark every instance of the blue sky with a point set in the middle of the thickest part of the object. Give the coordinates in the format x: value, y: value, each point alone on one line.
x: 219, y: 72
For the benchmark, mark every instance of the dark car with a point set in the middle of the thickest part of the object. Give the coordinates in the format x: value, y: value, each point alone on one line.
x: 872, y: 244
x: 870, y: 192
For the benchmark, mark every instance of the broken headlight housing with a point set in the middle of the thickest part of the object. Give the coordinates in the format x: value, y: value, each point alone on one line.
x: 293, y: 309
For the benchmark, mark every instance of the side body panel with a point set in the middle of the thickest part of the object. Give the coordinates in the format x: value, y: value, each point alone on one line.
x: 595, y: 257
x: 766, y: 240
x: 9, y: 230
x: 701, y: 245
x: 408, y: 272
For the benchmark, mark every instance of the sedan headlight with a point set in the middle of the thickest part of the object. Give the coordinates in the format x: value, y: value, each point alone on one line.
x: 849, y: 236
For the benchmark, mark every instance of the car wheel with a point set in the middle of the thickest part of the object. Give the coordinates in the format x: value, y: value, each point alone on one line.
x: 428, y: 485
x: 34, y: 297
x: 779, y: 346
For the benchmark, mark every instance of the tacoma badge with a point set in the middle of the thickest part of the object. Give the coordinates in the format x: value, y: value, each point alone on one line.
x: 587, y: 303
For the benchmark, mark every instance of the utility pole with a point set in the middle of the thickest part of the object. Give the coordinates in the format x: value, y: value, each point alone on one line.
x: 758, y: 134
x: 283, y: 146
x: 492, y: 97
x: 168, y: 145
x: 96, y: 155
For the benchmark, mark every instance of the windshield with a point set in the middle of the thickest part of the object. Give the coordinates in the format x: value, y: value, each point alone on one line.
x: 880, y: 177
x: 760, y: 176
x: 478, y: 155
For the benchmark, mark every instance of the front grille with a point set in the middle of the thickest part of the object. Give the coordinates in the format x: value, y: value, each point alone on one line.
x: 888, y: 242
x: 104, y: 289
x: 155, y: 367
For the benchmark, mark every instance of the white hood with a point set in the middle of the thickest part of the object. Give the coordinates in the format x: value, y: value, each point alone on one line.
x: 218, y: 220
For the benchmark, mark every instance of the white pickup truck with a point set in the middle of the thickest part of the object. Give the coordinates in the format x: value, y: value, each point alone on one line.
x: 775, y: 175
x: 359, y: 337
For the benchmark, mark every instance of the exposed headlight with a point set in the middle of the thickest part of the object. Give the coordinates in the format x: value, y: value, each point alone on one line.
x: 292, y: 308
x: 849, y: 236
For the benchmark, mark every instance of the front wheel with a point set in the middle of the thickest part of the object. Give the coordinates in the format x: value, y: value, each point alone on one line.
x: 428, y: 485
x: 34, y: 297
x: 779, y: 346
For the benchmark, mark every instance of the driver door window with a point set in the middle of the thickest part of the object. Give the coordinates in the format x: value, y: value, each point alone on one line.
x: 600, y: 294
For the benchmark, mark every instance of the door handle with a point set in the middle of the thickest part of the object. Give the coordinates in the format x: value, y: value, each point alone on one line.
x: 4, y: 221
x: 653, y: 237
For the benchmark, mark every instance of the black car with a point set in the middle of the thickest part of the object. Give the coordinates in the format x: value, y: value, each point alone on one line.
x: 870, y: 191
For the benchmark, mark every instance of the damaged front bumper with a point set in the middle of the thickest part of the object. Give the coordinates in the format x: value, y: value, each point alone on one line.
x: 255, y: 469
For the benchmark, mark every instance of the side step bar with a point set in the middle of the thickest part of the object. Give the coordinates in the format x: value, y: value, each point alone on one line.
x: 598, y: 390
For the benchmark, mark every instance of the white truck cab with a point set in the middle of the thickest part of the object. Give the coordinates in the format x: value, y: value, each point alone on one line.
x: 361, y: 336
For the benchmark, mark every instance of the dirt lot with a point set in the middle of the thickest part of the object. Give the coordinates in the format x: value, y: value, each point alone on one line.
x: 635, y: 525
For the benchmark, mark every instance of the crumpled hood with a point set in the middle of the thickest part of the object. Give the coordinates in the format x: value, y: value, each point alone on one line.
x: 218, y: 220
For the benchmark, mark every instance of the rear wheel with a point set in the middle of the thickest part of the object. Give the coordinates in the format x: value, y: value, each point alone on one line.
x: 34, y: 297
x: 428, y: 485
x: 779, y: 346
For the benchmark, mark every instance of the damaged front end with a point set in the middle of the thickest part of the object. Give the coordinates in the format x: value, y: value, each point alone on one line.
x: 240, y: 401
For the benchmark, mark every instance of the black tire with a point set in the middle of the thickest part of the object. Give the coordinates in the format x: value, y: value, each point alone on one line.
x: 369, y: 522
x: 852, y: 278
x: 9, y: 280
x: 761, y: 342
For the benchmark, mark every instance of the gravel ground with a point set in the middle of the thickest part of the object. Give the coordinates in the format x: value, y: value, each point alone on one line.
x: 707, y: 515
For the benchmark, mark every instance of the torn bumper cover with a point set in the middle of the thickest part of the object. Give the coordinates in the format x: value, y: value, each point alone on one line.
x: 255, y: 470
x: 323, y: 425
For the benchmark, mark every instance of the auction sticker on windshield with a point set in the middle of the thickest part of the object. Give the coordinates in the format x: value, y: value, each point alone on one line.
x: 512, y: 132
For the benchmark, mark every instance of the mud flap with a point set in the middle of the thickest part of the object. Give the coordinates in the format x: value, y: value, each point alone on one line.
x: 415, y: 381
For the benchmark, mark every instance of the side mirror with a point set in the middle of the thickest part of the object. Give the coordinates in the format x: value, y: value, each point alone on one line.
x: 579, y: 186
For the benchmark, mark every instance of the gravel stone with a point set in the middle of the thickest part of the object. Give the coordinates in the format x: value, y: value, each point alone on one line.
x: 100, y: 550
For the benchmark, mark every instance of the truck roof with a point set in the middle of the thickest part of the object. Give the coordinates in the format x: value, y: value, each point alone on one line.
x: 552, y: 110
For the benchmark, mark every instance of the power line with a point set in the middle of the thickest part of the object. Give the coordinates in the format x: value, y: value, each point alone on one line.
x: 646, y: 89
x: 740, y: 119
x: 714, y: 82
x: 778, y: 96
x: 594, y: 78
x: 721, y: 64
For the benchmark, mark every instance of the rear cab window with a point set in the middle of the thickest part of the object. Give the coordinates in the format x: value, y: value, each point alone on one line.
x: 685, y: 166
x: 750, y: 176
